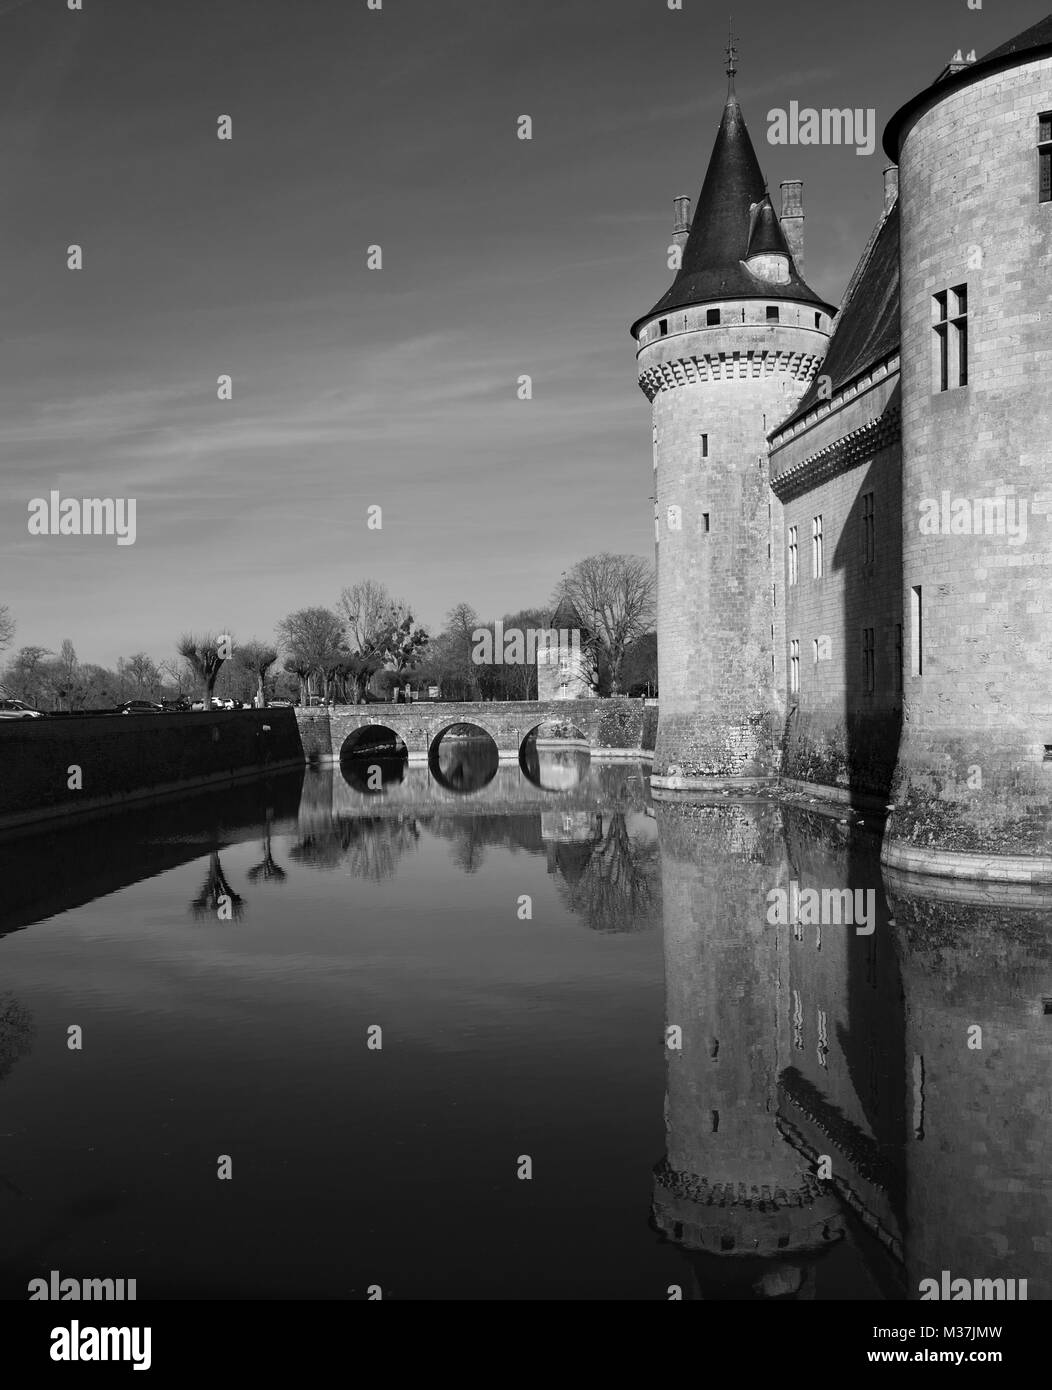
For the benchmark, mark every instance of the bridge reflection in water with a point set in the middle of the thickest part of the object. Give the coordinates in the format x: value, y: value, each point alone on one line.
x: 835, y: 1127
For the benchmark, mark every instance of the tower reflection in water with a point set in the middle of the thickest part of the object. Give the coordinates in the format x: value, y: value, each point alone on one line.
x: 831, y: 1131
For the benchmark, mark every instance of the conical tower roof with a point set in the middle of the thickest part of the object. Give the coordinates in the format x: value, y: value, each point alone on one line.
x: 713, y: 265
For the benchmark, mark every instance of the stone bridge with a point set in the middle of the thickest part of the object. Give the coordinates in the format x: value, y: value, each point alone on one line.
x: 616, y: 724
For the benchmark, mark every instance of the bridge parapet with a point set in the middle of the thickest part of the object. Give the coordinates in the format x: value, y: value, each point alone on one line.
x: 619, y: 723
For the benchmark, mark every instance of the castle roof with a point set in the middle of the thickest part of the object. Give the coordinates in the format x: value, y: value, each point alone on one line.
x: 1035, y: 42
x: 765, y: 231
x: 866, y: 330
x: 712, y: 267
x: 566, y: 617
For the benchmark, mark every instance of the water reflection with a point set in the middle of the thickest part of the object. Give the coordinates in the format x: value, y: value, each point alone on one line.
x: 463, y: 759
x: 850, y: 1107
x: 555, y: 757
x: 216, y: 901
x: 267, y: 870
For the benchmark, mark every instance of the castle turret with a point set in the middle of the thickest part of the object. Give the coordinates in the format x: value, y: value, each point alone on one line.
x: 731, y: 1186
x: 724, y: 355
x: 974, y: 777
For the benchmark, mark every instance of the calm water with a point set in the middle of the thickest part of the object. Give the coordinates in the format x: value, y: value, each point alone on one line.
x: 523, y: 948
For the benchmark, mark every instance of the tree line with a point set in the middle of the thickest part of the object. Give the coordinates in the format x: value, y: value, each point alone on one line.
x: 368, y: 644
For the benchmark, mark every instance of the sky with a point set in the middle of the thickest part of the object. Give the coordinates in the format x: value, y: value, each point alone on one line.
x: 356, y: 388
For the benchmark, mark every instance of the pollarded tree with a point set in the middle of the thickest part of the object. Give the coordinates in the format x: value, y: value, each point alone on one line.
x: 205, y: 656
x: 257, y: 658
x: 614, y: 595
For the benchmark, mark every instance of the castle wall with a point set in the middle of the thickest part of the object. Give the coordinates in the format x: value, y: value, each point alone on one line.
x: 720, y: 712
x: 838, y: 733
x: 978, y: 1055
x: 972, y: 777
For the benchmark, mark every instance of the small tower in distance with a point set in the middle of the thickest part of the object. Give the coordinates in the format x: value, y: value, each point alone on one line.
x: 722, y: 356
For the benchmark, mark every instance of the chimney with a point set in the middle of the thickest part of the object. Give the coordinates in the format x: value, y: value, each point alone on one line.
x: 891, y: 186
x: 792, y: 220
x: 681, y: 221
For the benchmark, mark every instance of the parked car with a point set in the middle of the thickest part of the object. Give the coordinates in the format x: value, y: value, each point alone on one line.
x: 180, y: 706
x: 281, y: 704
x: 18, y: 709
x: 140, y: 707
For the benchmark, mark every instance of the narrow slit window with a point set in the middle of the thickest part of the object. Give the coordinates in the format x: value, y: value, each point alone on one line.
x: 869, y: 545
x: 916, y: 631
x: 794, y: 555
x: 817, y: 549
x: 869, y: 660
x: 794, y: 667
x: 1044, y: 157
x: 704, y: 446
x: 705, y: 522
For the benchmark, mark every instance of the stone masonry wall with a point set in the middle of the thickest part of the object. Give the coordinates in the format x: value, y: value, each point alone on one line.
x: 972, y: 775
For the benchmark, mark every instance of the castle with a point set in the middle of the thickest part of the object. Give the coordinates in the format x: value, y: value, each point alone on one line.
x: 853, y: 505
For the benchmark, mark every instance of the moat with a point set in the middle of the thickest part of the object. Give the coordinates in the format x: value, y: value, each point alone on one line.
x: 537, y: 1040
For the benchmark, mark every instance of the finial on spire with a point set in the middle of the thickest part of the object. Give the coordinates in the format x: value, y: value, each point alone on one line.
x: 732, y: 58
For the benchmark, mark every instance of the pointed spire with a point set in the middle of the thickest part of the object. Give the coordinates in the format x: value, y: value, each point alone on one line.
x: 712, y: 266
x: 731, y: 54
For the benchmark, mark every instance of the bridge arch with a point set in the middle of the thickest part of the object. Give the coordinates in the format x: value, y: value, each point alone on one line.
x: 555, y: 754
x: 469, y: 761
x: 373, y: 756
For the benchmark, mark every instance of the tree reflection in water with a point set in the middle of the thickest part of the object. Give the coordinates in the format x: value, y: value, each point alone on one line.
x: 611, y: 878
x: 371, y: 848
x: 216, y: 893
x: 16, y: 1033
x: 267, y: 869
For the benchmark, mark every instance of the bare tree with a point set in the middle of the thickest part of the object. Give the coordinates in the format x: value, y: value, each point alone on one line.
x: 614, y: 595
x: 462, y: 622
x: 7, y: 626
x: 257, y: 658
x: 379, y: 631
x: 26, y: 676
x: 313, y: 638
x: 143, y: 671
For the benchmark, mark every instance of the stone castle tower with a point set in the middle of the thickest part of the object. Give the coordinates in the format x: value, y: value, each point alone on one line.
x: 723, y: 356
x: 906, y: 439
x: 974, y: 775
x: 731, y: 1189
